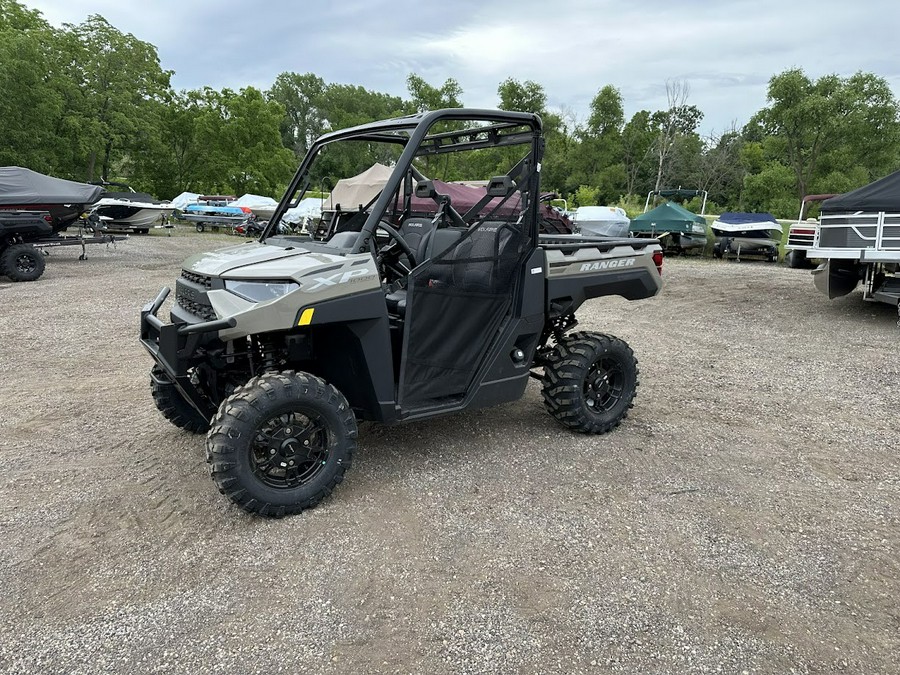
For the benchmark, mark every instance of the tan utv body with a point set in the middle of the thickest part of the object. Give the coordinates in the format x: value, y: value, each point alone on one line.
x: 276, y: 348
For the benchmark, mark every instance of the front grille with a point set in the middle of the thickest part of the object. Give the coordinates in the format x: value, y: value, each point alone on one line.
x: 200, y: 279
x: 205, y: 312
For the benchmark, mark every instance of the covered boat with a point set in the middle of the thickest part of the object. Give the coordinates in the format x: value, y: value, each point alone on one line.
x: 262, y: 207
x: 351, y: 194
x: 677, y: 228
x: 604, y: 221
x: 27, y: 190
x: 747, y: 234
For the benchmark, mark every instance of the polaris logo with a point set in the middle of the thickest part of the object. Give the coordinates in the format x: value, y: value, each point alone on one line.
x: 339, y: 278
x: 607, y: 264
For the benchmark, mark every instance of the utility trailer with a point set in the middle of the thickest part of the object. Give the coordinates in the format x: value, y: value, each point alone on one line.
x: 858, y: 238
x: 25, y: 237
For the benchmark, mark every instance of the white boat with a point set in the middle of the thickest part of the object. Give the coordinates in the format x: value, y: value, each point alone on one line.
x: 262, y: 207
x: 747, y: 234
x: 130, y: 210
x: 604, y: 221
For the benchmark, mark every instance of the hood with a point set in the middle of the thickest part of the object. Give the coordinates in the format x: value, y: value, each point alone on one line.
x: 256, y: 260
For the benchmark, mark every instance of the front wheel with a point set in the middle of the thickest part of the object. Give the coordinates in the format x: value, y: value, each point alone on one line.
x: 173, y: 406
x: 281, y: 443
x: 22, y: 262
x: 590, y: 382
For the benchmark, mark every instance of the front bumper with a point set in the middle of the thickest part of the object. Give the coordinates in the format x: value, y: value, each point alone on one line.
x: 176, y: 348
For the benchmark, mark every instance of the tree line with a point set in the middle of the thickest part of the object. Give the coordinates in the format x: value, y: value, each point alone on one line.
x: 90, y: 102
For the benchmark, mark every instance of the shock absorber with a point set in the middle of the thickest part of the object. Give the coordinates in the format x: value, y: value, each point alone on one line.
x: 267, y: 354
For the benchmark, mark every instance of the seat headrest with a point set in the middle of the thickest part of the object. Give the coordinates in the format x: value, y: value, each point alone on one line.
x: 425, y: 189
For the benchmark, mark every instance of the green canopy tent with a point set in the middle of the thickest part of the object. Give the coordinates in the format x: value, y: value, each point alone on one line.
x: 683, y: 230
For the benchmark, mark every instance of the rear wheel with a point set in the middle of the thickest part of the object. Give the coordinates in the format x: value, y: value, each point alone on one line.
x: 22, y: 262
x: 590, y: 382
x: 281, y: 443
x: 173, y: 405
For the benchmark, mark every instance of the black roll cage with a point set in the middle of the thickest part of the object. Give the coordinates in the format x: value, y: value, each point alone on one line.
x: 419, y: 143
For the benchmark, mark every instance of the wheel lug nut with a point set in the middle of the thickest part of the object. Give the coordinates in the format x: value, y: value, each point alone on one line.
x: 291, y: 462
x: 272, y: 452
x: 305, y: 442
x: 288, y: 430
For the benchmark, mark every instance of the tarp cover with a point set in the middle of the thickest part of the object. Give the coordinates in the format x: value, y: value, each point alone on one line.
x: 358, y: 189
x: 24, y: 186
x: 184, y: 199
x: 742, y: 222
x: 735, y: 218
x: 607, y: 221
x: 252, y: 201
x: 668, y: 217
x: 882, y: 195
x: 311, y: 207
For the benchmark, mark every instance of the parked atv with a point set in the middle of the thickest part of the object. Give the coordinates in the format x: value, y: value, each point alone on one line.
x: 277, y: 348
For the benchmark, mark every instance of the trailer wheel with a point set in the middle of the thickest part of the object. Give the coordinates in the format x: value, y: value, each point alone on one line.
x: 590, y: 382
x: 22, y: 262
x: 281, y: 443
x: 200, y: 227
x: 796, y: 259
x: 173, y: 406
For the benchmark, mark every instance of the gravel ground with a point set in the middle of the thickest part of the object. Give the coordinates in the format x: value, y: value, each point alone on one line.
x: 743, y: 519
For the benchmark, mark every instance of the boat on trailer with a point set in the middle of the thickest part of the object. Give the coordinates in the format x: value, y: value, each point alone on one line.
x: 215, y: 211
x: 753, y: 234
x: 130, y: 210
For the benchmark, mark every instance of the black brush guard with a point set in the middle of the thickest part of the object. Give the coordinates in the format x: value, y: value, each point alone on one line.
x: 174, y: 347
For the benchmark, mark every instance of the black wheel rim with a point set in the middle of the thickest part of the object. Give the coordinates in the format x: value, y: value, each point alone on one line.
x: 26, y: 264
x: 290, y: 449
x: 604, y: 385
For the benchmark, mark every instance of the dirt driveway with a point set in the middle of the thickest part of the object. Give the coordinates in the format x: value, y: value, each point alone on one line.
x: 744, y: 518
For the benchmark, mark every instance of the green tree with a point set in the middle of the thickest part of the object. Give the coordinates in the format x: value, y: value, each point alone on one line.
x: 638, y: 137
x: 301, y: 96
x: 671, y: 126
x: 527, y: 96
x: 32, y: 102
x: 597, y: 159
x: 814, y: 127
x: 118, y: 78
x: 428, y: 97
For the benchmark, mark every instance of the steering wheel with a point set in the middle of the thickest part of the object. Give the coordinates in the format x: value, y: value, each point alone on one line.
x: 404, y: 247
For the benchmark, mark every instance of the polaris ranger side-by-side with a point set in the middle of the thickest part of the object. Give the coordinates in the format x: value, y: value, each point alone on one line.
x: 276, y: 348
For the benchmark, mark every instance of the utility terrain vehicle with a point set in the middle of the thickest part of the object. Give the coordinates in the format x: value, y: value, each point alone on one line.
x: 278, y: 347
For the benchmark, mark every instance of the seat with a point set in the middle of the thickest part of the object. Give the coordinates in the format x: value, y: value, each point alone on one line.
x: 417, y: 233
x: 487, y: 258
x: 435, y: 240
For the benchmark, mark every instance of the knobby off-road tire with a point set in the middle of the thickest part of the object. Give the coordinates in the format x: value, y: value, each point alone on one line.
x: 590, y: 383
x: 22, y: 262
x: 281, y: 443
x: 174, y: 407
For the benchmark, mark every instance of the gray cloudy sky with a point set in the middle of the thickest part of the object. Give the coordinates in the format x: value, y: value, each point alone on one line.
x: 726, y: 50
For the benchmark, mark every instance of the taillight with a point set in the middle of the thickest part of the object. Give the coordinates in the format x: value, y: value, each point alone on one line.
x: 48, y: 218
x: 658, y: 261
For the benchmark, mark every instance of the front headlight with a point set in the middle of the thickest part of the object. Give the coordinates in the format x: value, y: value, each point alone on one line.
x: 260, y: 291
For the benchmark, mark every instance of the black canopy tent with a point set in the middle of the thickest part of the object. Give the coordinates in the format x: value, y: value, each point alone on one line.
x: 883, y: 195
